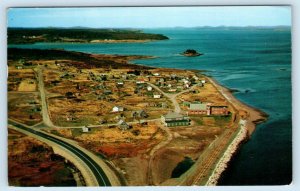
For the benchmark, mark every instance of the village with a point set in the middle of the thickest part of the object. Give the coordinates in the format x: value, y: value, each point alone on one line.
x: 136, y: 118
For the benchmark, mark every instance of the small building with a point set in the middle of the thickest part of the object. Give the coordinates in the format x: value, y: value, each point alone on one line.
x: 203, y: 81
x: 156, y: 95
x: 117, y: 109
x: 172, y: 90
x: 107, y: 92
x: 149, y: 88
x: 173, y: 119
x: 123, y: 125
x: 219, y: 110
x: 156, y: 74
x: 86, y: 129
x: 120, y: 83
x: 161, y: 80
x: 199, y: 109
x: 195, y: 77
x: 140, y: 114
x: 140, y: 81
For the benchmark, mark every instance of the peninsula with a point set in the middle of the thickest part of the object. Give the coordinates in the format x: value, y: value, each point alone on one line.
x: 138, y: 125
x: 79, y: 35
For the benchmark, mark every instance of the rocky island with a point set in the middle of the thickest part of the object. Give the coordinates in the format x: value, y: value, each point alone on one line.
x: 191, y: 52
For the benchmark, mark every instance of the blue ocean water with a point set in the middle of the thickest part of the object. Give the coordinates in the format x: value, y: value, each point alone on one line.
x: 255, y: 61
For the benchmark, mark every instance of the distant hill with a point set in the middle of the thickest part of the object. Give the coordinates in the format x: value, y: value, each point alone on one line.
x: 80, y: 60
x: 84, y: 35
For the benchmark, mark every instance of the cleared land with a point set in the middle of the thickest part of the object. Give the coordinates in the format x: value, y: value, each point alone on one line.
x: 114, y: 108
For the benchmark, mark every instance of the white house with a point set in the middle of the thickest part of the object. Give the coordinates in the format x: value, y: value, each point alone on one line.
x: 185, y: 81
x: 156, y: 96
x: 172, y: 90
x: 117, y: 108
x: 203, y: 81
x: 149, y: 88
x: 120, y: 83
x: 156, y: 74
x: 195, y: 77
x: 85, y: 129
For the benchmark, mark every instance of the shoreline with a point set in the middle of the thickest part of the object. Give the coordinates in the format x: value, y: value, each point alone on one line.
x: 92, y: 42
x: 254, y: 115
x: 249, y: 115
x: 247, y: 126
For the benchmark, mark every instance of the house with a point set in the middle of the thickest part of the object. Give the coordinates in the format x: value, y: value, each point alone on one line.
x: 120, y: 83
x: 85, y: 129
x: 140, y: 81
x: 140, y: 114
x: 185, y: 81
x: 219, y: 110
x: 172, y: 90
x: 195, y: 77
x: 156, y: 95
x: 149, y: 88
x: 123, y: 125
x: 161, y: 80
x: 199, y: 109
x: 203, y: 81
x: 156, y: 74
x: 107, y: 92
x: 173, y: 119
x: 117, y: 108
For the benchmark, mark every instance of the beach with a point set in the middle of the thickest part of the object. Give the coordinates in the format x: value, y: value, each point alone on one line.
x: 249, y: 119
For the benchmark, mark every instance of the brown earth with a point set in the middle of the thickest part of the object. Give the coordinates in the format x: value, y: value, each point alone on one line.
x: 33, y: 163
x: 187, y: 142
x: 24, y: 107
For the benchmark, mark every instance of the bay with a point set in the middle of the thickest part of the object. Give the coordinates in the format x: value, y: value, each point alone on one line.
x: 254, y: 61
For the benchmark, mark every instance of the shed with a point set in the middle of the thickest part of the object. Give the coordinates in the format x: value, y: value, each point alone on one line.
x: 123, y: 125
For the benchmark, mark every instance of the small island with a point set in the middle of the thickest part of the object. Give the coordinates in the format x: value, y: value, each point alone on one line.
x: 191, y: 52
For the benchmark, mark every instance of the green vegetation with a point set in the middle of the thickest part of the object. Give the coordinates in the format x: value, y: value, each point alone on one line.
x: 79, y: 59
x: 33, y: 35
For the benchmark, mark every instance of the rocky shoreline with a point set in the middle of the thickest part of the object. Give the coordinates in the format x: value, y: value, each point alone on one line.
x: 222, y: 165
x: 246, y: 127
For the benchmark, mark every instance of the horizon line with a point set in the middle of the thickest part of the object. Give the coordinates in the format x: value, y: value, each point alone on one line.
x: 206, y: 26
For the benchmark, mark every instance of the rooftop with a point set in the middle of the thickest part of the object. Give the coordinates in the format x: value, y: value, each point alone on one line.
x: 173, y: 115
x: 198, y: 106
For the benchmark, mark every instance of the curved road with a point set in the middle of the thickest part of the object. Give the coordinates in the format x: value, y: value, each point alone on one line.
x: 172, y: 97
x: 95, y: 168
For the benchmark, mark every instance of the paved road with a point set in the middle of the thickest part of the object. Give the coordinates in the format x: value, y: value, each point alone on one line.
x: 95, y: 168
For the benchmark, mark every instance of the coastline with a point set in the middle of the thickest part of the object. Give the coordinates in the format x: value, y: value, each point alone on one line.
x: 254, y: 116
x: 246, y: 128
x: 250, y: 116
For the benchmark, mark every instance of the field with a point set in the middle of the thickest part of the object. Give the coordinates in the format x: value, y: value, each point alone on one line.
x: 32, y: 163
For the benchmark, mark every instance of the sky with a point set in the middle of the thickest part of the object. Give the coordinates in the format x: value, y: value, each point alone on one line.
x: 149, y: 17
